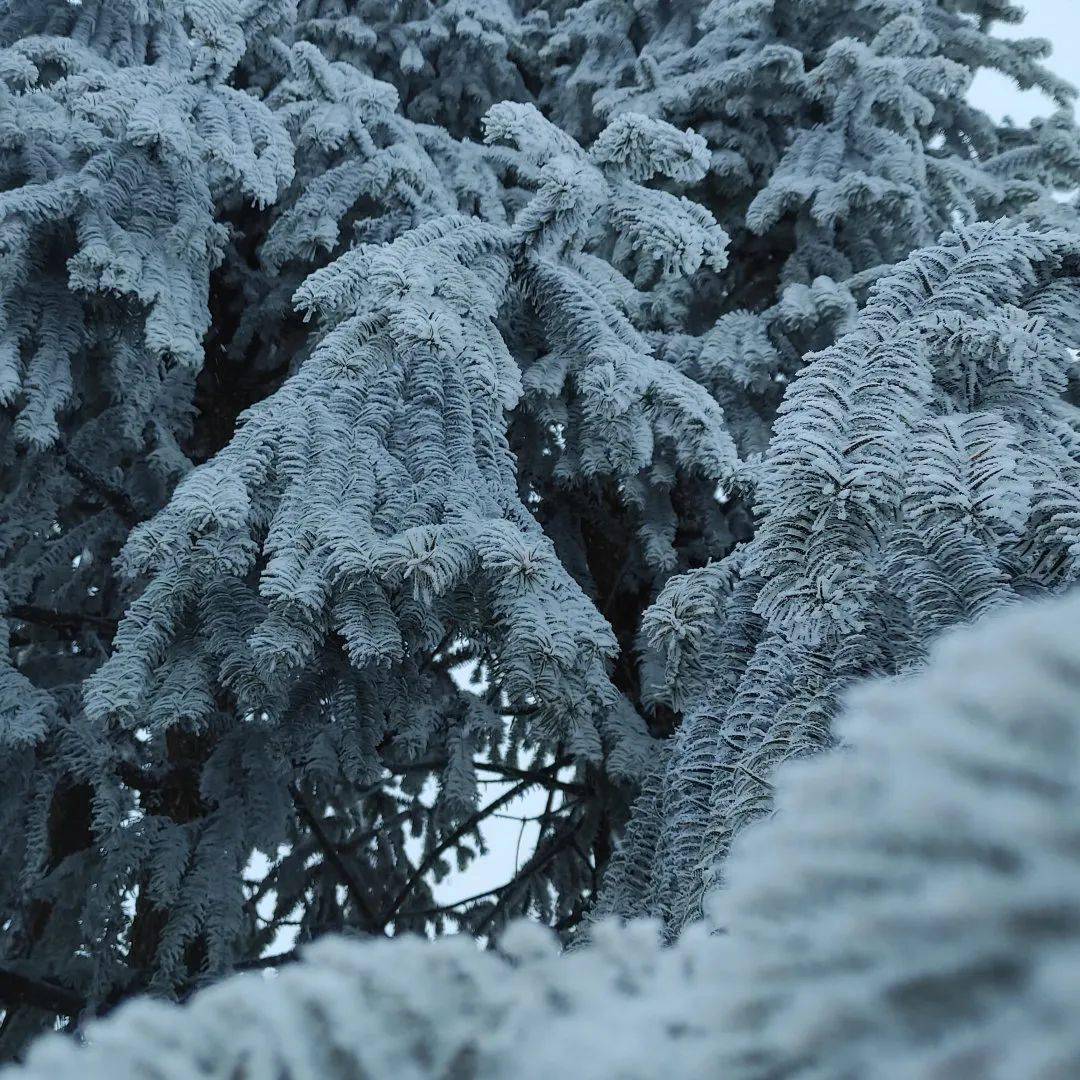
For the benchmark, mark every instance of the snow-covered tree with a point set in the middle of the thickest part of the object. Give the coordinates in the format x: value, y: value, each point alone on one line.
x: 281, y: 679
x: 351, y: 350
x: 911, y: 910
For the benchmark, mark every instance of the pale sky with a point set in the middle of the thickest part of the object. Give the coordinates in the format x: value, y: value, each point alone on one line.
x: 1059, y: 22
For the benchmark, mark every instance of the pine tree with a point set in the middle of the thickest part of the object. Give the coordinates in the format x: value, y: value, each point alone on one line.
x: 354, y: 349
x: 285, y: 631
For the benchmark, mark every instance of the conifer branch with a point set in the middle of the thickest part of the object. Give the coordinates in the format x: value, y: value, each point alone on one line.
x: 562, y: 839
x: 353, y: 842
x: 62, y: 620
x: 492, y: 393
x: 108, y: 493
x: 263, y: 962
x: 17, y: 989
x: 543, y: 777
x: 447, y: 909
x: 498, y: 890
x: 466, y: 827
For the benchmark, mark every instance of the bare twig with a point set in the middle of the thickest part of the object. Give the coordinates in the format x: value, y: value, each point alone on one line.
x: 561, y: 839
x: 466, y: 827
x: 498, y: 890
x: 446, y: 909
x: 334, y: 857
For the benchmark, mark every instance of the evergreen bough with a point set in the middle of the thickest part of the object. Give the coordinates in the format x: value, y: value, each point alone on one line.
x: 664, y: 367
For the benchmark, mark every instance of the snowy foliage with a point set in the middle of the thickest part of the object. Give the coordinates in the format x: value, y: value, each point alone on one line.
x: 280, y: 640
x: 911, y: 910
x: 922, y: 472
x: 400, y: 397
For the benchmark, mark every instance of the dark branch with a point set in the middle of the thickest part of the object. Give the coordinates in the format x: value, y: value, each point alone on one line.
x: 530, y: 867
x: 62, y: 620
x: 106, y: 492
x: 520, y: 710
x: 333, y: 856
x: 16, y: 989
x: 568, y: 922
x: 447, y: 909
x: 544, y: 777
x: 430, y: 764
x: 354, y: 842
x: 263, y: 962
x: 561, y: 840
x: 467, y: 826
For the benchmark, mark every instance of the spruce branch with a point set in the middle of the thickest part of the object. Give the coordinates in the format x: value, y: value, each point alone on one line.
x: 17, y: 989
x: 467, y: 826
x: 560, y: 841
x: 62, y: 620
x: 108, y: 493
